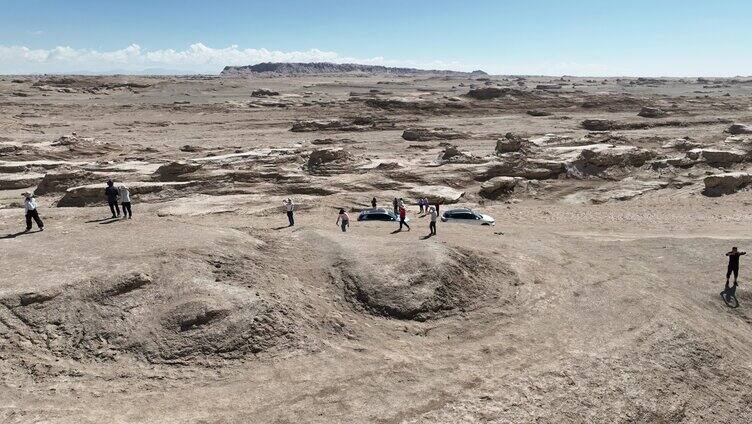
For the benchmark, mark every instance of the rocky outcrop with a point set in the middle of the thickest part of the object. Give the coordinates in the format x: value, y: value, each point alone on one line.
x: 652, y: 112
x: 718, y: 156
x: 498, y: 186
x: 443, y: 194
x: 727, y: 183
x: 451, y: 154
x: 598, y: 125
x: 425, y: 134
x: 683, y: 144
x: 17, y: 181
x: 93, y: 194
x: 175, y: 170
x: 488, y: 93
x: 737, y: 129
x: 599, y: 160
x: 511, y: 143
x: 623, y: 190
x: 529, y: 169
x: 312, y: 68
x: 264, y: 93
x: 59, y: 181
x: 361, y: 123
x: 548, y: 87
x: 329, y: 160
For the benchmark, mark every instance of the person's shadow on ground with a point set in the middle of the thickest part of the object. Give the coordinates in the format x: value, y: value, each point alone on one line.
x: 426, y: 237
x: 20, y: 233
x: 93, y: 221
x: 281, y: 228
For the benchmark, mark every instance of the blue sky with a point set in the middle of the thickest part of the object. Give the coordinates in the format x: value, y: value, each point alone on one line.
x: 586, y: 37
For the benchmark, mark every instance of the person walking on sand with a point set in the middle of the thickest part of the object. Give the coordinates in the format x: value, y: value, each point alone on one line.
x: 395, y: 204
x: 432, y: 224
x: 733, y: 265
x: 30, y: 205
x: 112, y: 196
x: 343, y: 219
x: 402, y: 213
x: 373, y: 203
x: 289, y: 207
x: 125, y: 201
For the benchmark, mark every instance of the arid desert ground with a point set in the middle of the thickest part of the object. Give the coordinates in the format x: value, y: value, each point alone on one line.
x: 594, y: 298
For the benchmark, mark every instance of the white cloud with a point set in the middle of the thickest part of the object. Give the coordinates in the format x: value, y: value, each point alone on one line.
x: 197, y: 58
x: 35, y: 32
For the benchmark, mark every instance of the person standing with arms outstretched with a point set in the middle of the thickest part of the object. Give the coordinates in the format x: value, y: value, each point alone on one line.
x: 289, y: 207
x: 125, y: 201
x: 343, y: 219
x: 112, y: 198
x: 30, y: 205
x: 432, y: 224
x: 733, y: 265
x: 402, y: 213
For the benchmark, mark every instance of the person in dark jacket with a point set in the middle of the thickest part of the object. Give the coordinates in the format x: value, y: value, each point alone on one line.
x: 733, y: 265
x: 373, y: 203
x: 112, y: 198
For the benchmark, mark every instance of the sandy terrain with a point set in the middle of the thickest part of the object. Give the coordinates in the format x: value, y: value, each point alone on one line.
x: 595, y: 298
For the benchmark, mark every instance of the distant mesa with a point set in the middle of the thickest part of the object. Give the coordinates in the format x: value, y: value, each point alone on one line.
x: 280, y: 68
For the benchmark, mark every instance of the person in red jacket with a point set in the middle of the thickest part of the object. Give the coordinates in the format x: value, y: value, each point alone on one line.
x: 402, y: 213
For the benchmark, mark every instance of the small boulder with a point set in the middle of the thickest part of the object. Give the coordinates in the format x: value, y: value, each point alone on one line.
x: 511, y: 143
x: 538, y: 113
x: 726, y: 183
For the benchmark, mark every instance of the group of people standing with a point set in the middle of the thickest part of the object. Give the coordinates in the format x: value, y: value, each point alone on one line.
x: 112, y: 193
x: 124, y: 194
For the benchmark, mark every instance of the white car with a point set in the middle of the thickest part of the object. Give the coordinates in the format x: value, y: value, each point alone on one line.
x: 467, y: 216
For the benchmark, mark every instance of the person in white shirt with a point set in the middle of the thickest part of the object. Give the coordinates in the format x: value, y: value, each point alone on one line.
x: 343, y: 219
x: 432, y: 224
x: 289, y: 207
x: 30, y: 205
x: 125, y: 201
